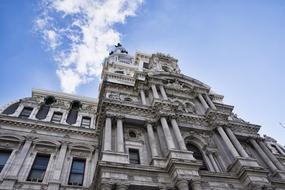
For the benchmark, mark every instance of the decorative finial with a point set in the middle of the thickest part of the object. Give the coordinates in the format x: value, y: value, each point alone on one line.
x: 118, y: 45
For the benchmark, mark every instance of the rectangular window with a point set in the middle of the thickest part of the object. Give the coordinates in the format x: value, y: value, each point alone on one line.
x: 134, y: 156
x: 26, y: 112
x: 56, y: 118
x: 77, y: 172
x: 4, y: 156
x: 145, y: 65
x: 39, y: 167
x: 85, y: 122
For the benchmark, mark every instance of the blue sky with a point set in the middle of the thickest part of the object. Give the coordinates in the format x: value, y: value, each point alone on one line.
x: 236, y: 47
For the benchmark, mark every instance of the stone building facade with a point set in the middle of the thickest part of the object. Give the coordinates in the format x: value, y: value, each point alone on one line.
x: 151, y: 128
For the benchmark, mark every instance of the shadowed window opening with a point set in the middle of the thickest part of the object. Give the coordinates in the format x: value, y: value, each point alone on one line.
x: 26, y: 112
x: 119, y: 72
x: 11, y: 109
x: 44, y: 109
x: 197, y: 154
x: 56, y: 118
x: 86, y: 122
x: 73, y: 113
x: 132, y: 134
x: 77, y: 172
x: 39, y: 167
x: 4, y: 156
x: 145, y: 65
x: 134, y: 156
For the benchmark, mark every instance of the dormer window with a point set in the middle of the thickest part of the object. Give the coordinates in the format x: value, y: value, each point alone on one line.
x: 26, y: 112
x: 73, y: 112
x: 56, y: 118
x: 11, y: 109
x: 85, y: 122
x: 44, y: 109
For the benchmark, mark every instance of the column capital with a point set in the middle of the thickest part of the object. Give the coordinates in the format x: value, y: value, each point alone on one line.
x: 182, y: 184
x: 106, y: 186
x: 196, y: 181
x: 121, y: 117
x: 196, y: 184
x: 110, y: 115
x: 149, y: 123
x: 167, y: 115
x: 122, y: 186
x: 173, y: 117
x: 30, y: 138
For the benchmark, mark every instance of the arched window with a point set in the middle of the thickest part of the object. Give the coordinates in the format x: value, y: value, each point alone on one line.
x: 197, y: 154
x: 44, y: 109
x: 11, y: 108
x: 132, y: 134
x: 73, y: 112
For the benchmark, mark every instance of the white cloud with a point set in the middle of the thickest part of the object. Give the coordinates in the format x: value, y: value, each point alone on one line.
x: 80, y: 33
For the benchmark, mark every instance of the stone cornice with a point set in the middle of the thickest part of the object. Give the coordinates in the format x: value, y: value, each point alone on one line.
x: 48, y: 126
x: 125, y: 167
x: 61, y: 95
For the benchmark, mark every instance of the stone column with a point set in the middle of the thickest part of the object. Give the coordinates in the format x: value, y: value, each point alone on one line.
x: 108, y: 135
x: 19, y: 159
x: 163, y: 93
x: 182, y: 185
x: 167, y: 134
x: 236, y: 143
x: 152, y: 142
x: 263, y: 155
x: 120, y: 136
x: 143, y: 97
x: 154, y: 91
x: 204, y: 103
x: 227, y: 141
x: 271, y: 156
x: 106, y: 186
x: 178, y: 135
x: 59, y: 162
x: 213, y: 161
x: 212, y: 105
x: 208, y: 162
x: 196, y: 185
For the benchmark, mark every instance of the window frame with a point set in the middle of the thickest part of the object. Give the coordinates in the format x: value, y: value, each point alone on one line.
x: 37, y: 168
x: 8, y: 152
x: 198, y: 155
x: 146, y: 65
x: 84, y: 118
x: 53, y: 116
x: 26, y: 108
x: 137, y: 151
x: 76, y: 173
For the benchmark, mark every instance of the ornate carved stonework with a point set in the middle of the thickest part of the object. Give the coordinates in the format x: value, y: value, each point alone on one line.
x: 150, y: 128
